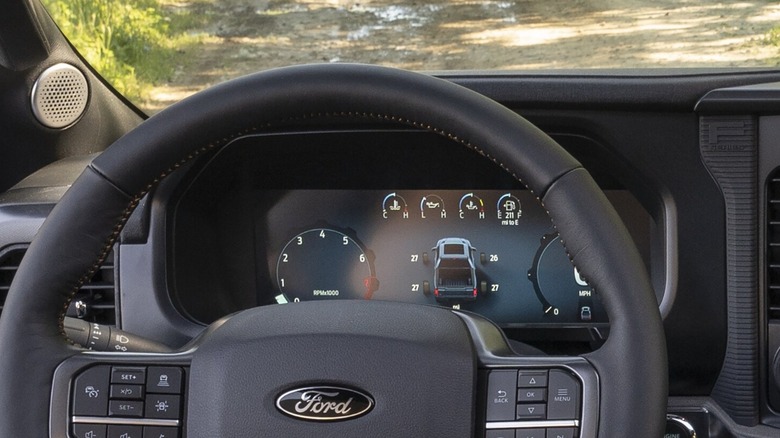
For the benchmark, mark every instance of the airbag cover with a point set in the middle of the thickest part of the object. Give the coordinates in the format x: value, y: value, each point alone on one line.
x: 417, y: 364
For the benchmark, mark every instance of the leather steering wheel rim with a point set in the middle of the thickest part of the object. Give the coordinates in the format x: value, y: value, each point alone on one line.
x: 82, y: 229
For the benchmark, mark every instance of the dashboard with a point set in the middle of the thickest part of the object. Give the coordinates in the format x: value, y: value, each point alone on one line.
x: 331, y: 211
x: 447, y: 233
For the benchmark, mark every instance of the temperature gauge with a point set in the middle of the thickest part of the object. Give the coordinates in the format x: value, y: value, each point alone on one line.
x: 394, y: 205
x: 471, y: 206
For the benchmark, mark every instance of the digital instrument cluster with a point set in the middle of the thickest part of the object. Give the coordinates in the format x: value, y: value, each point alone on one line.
x: 494, y: 252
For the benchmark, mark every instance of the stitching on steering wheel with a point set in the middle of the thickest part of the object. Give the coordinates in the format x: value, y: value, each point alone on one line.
x: 224, y: 141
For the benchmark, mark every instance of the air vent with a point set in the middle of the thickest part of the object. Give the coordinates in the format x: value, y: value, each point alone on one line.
x: 9, y: 263
x: 773, y: 246
x: 95, y: 302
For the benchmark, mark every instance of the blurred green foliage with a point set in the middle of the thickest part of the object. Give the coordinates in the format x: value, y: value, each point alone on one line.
x: 131, y: 43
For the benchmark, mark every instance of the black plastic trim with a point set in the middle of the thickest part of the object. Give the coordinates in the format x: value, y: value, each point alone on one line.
x: 729, y: 149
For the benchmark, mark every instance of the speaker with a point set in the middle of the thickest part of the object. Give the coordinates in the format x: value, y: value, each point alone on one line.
x: 59, y: 96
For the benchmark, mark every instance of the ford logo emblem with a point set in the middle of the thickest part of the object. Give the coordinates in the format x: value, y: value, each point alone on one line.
x: 324, y: 403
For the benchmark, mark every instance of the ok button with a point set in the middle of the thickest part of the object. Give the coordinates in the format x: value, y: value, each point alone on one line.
x: 529, y: 395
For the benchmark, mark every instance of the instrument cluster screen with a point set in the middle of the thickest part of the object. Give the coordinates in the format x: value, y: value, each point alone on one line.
x: 493, y: 252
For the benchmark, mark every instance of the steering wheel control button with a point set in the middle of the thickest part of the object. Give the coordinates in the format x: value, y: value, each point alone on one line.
x: 532, y: 412
x: 160, y: 432
x: 568, y: 432
x: 90, y: 392
x: 129, y: 375
x: 123, y: 431
x: 163, y: 406
x: 531, y: 395
x: 531, y: 433
x: 500, y: 433
x: 563, y: 396
x: 163, y: 380
x: 532, y: 379
x: 121, y: 408
x: 501, y: 395
x: 89, y: 430
x: 127, y: 392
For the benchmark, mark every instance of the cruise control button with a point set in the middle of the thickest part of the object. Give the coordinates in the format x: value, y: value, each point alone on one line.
x: 163, y: 380
x: 567, y: 432
x: 129, y: 375
x: 500, y: 433
x: 160, y: 432
x: 122, y: 431
x: 89, y: 430
x: 90, y: 392
x: 162, y: 406
x: 127, y: 392
x: 121, y: 408
x: 530, y: 395
x: 530, y: 433
x: 501, y: 395
x: 532, y: 379
x: 563, y: 397
x: 531, y: 412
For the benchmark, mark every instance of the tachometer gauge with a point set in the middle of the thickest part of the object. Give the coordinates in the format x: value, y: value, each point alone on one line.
x: 323, y: 263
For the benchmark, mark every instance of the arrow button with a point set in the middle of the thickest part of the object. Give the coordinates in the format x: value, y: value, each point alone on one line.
x: 532, y: 412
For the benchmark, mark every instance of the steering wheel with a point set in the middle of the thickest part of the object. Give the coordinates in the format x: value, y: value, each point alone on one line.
x: 359, y: 368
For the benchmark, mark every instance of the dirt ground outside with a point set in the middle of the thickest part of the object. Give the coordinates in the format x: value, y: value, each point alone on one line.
x: 244, y: 36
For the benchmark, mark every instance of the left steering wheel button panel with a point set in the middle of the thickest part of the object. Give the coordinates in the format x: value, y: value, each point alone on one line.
x: 128, y: 402
x: 90, y: 392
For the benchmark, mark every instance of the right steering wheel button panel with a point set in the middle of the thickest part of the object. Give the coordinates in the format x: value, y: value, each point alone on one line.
x: 547, y: 403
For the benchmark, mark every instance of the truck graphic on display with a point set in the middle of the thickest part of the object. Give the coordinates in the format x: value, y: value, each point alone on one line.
x: 454, y: 274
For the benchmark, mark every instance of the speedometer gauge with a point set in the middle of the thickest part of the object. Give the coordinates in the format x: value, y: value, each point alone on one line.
x: 323, y: 263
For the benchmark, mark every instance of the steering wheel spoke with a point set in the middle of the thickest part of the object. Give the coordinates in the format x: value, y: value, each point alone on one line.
x: 530, y: 396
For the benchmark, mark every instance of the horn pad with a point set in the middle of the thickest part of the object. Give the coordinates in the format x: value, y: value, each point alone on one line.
x: 415, y: 364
